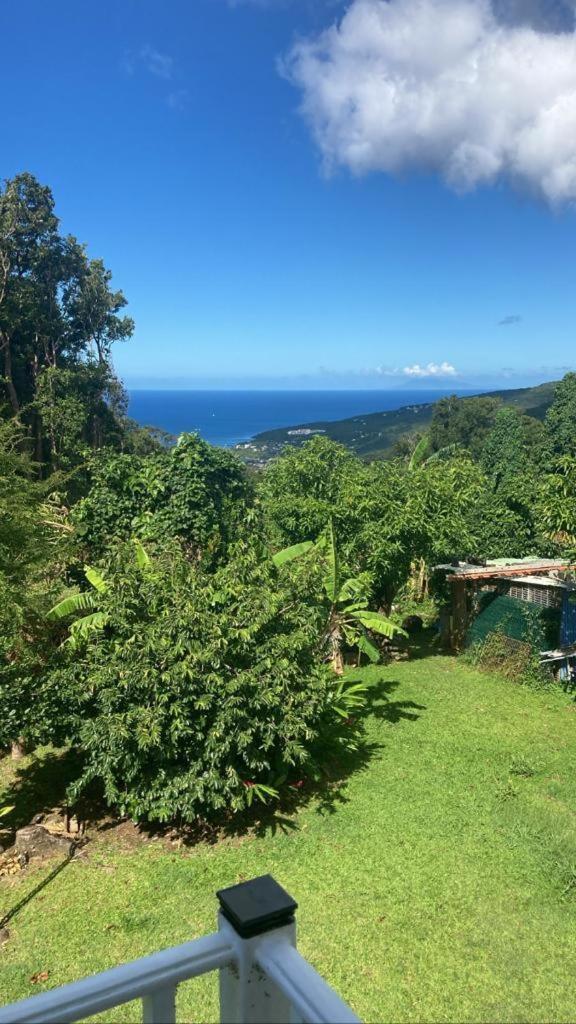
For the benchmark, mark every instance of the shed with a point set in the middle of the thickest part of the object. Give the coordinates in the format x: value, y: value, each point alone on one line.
x: 535, y: 581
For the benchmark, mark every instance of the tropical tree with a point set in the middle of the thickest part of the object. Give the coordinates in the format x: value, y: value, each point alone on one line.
x: 556, y: 504
x: 462, y: 421
x: 560, y: 421
x: 305, y: 487
x: 26, y: 588
x: 83, y: 608
x: 512, y: 450
x: 58, y: 319
x: 350, y: 620
x: 93, y: 311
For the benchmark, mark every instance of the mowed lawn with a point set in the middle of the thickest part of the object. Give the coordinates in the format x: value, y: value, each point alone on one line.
x: 441, y: 886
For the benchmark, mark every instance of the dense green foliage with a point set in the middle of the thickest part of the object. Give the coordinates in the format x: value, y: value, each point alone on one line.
x: 391, y: 514
x: 193, y: 492
x: 190, y: 668
x: 560, y: 420
x: 511, y: 448
x: 58, y: 320
x: 462, y: 421
x: 203, y: 688
x: 26, y: 589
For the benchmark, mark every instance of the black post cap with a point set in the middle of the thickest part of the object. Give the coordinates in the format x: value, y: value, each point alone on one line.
x: 256, y: 906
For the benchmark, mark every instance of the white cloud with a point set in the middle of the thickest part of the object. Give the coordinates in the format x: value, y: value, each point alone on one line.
x: 416, y: 371
x: 430, y: 370
x: 159, y: 64
x: 447, y: 86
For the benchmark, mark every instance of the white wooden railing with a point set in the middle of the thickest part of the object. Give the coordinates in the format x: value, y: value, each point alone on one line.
x: 263, y: 977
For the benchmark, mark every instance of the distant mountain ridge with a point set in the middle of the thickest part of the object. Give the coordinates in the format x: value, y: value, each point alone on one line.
x: 375, y: 434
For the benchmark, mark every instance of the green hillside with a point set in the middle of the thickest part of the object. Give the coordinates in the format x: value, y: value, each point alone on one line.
x: 374, y: 434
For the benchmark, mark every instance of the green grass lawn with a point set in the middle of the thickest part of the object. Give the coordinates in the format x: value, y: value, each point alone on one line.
x: 441, y: 886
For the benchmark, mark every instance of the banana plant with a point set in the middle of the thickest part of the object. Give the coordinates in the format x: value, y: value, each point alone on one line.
x: 86, y: 605
x: 289, y: 554
x: 350, y: 620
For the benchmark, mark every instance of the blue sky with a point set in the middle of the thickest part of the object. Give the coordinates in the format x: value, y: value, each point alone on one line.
x: 252, y: 248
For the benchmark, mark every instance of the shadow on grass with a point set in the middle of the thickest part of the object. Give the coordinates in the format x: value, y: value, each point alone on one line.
x: 37, y: 888
x: 41, y: 783
x: 40, y: 786
x: 425, y: 644
x: 379, y: 705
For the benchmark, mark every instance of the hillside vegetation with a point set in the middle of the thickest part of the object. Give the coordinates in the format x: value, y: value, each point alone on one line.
x: 182, y: 624
x: 374, y: 435
x: 181, y: 631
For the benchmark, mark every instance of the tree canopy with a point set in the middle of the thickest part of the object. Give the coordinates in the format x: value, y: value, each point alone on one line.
x: 462, y: 421
x: 58, y: 319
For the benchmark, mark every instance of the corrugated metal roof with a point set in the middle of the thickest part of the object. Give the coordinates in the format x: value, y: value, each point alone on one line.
x: 539, y: 581
x: 506, y: 567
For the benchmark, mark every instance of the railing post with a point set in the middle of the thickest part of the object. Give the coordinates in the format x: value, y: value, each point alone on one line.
x: 247, y: 912
x: 159, y: 1006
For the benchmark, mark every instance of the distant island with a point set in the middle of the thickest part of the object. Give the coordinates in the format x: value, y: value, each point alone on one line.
x: 374, y: 435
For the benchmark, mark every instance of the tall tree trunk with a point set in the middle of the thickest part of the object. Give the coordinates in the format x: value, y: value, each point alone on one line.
x: 9, y: 380
x: 338, y: 662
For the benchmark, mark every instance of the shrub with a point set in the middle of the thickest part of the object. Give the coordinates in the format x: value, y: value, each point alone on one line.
x: 202, y: 690
x: 194, y: 492
x: 516, y: 660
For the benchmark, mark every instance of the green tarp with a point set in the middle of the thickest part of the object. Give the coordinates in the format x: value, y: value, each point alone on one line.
x: 517, y: 619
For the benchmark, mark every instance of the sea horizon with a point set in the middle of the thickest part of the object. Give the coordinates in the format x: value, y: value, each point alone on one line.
x: 231, y: 416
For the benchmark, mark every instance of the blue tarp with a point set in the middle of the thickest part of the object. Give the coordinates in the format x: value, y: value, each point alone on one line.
x: 568, y: 626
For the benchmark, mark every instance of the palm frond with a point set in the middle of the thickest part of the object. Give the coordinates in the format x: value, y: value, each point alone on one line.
x: 354, y: 589
x: 369, y: 649
x: 96, y: 620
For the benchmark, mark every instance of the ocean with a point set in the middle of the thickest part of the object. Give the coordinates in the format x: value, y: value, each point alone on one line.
x: 228, y: 417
